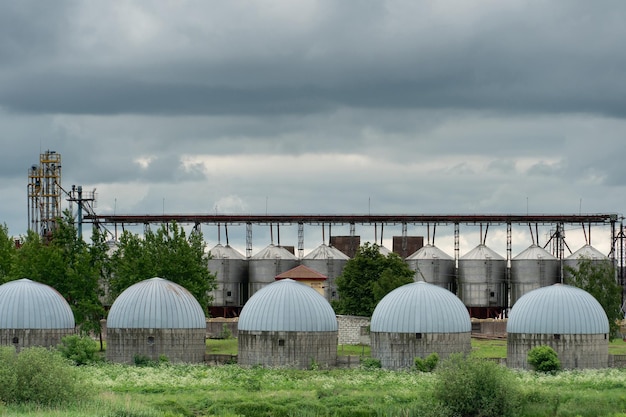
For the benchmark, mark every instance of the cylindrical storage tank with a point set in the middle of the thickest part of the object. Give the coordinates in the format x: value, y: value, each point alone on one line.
x: 566, y: 318
x: 482, y: 278
x: 329, y: 261
x: 156, y: 318
x: 433, y: 265
x: 231, y: 270
x: 416, y: 320
x: 588, y: 252
x: 533, y: 268
x: 287, y: 324
x: 266, y: 264
x: 33, y: 314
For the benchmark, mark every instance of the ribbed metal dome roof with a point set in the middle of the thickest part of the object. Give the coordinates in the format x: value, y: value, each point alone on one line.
x: 420, y: 307
x: 429, y: 252
x: 225, y: 252
x: 557, y: 309
x: 326, y: 252
x: 156, y: 303
x: 288, y: 306
x: 534, y: 252
x: 26, y: 304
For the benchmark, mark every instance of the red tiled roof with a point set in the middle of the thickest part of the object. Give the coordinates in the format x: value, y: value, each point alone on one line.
x: 301, y: 272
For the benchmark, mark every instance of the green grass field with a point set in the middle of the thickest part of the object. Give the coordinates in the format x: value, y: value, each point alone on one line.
x: 482, y: 348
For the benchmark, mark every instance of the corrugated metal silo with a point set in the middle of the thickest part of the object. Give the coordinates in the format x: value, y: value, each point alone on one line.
x: 588, y: 252
x: 482, y: 278
x: 266, y: 264
x: 433, y: 265
x: 531, y: 269
x: 328, y: 261
x: 231, y: 270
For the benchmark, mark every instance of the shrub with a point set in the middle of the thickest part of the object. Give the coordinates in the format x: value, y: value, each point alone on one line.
x: 39, y: 376
x: 226, y: 333
x: 544, y: 359
x: 82, y: 350
x: 476, y: 387
x: 428, y: 364
x: 370, y: 363
x: 143, y: 360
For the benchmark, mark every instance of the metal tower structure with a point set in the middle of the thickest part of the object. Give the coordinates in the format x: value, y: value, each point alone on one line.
x: 44, y: 193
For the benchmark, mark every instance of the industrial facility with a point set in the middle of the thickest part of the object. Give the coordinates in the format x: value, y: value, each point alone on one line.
x: 282, y: 295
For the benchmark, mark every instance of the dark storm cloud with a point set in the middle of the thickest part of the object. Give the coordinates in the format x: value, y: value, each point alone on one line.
x: 518, y: 59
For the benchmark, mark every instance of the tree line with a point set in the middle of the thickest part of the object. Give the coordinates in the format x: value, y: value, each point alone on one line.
x: 80, y: 271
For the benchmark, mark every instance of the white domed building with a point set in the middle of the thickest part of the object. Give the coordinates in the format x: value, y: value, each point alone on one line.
x: 566, y: 318
x: 287, y: 324
x: 156, y: 317
x: 33, y: 314
x: 416, y: 320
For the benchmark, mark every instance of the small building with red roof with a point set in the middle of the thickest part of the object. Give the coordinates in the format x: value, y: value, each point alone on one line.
x: 305, y: 275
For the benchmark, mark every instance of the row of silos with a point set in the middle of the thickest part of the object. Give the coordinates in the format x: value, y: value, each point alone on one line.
x: 480, y: 281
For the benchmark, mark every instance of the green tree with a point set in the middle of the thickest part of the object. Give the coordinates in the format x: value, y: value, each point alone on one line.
x: 598, y: 278
x: 167, y: 253
x: 69, y: 265
x: 7, y: 253
x: 367, y: 278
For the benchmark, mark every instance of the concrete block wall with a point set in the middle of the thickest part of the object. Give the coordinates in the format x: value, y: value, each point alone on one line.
x: 353, y: 330
x: 23, y: 338
x: 399, y: 350
x: 215, y: 327
x: 178, y: 345
x: 575, y: 351
x: 287, y: 349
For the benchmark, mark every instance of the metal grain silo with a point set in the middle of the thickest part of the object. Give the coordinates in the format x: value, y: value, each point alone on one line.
x: 231, y: 270
x: 531, y: 269
x: 416, y: 320
x: 328, y: 261
x: 566, y: 318
x: 433, y: 265
x: 482, y: 278
x: 287, y: 324
x: 266, y: 264
x: 587, y: 252
x: 33, y: 314
x: 156, y: 317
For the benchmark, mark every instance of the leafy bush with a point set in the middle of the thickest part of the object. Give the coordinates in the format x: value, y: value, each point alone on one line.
x: 82, y: 350
x: 226, y: 333
x: 476, y: 387
x: 39, y: 376
x: 428, y: 364
x: 544, y: 359
x: 370, y: 363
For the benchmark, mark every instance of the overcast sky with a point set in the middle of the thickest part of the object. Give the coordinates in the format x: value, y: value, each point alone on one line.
x: 386, y: 107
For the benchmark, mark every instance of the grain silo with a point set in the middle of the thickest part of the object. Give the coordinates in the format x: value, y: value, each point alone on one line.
x: 416, y: 320
x: 231, y: 271
x: 156, y: 318
x: 266, y: 264
x: 482, y: 281
x: 566, y: 318
x: 433, y: 265
x: 585, y: 252
x: 328, y: 261
x: 531, y: 269
x: 287, y: 324
x: 33, y: 314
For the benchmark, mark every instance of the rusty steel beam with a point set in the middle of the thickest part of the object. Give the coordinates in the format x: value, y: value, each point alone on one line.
x: 598, y: 218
